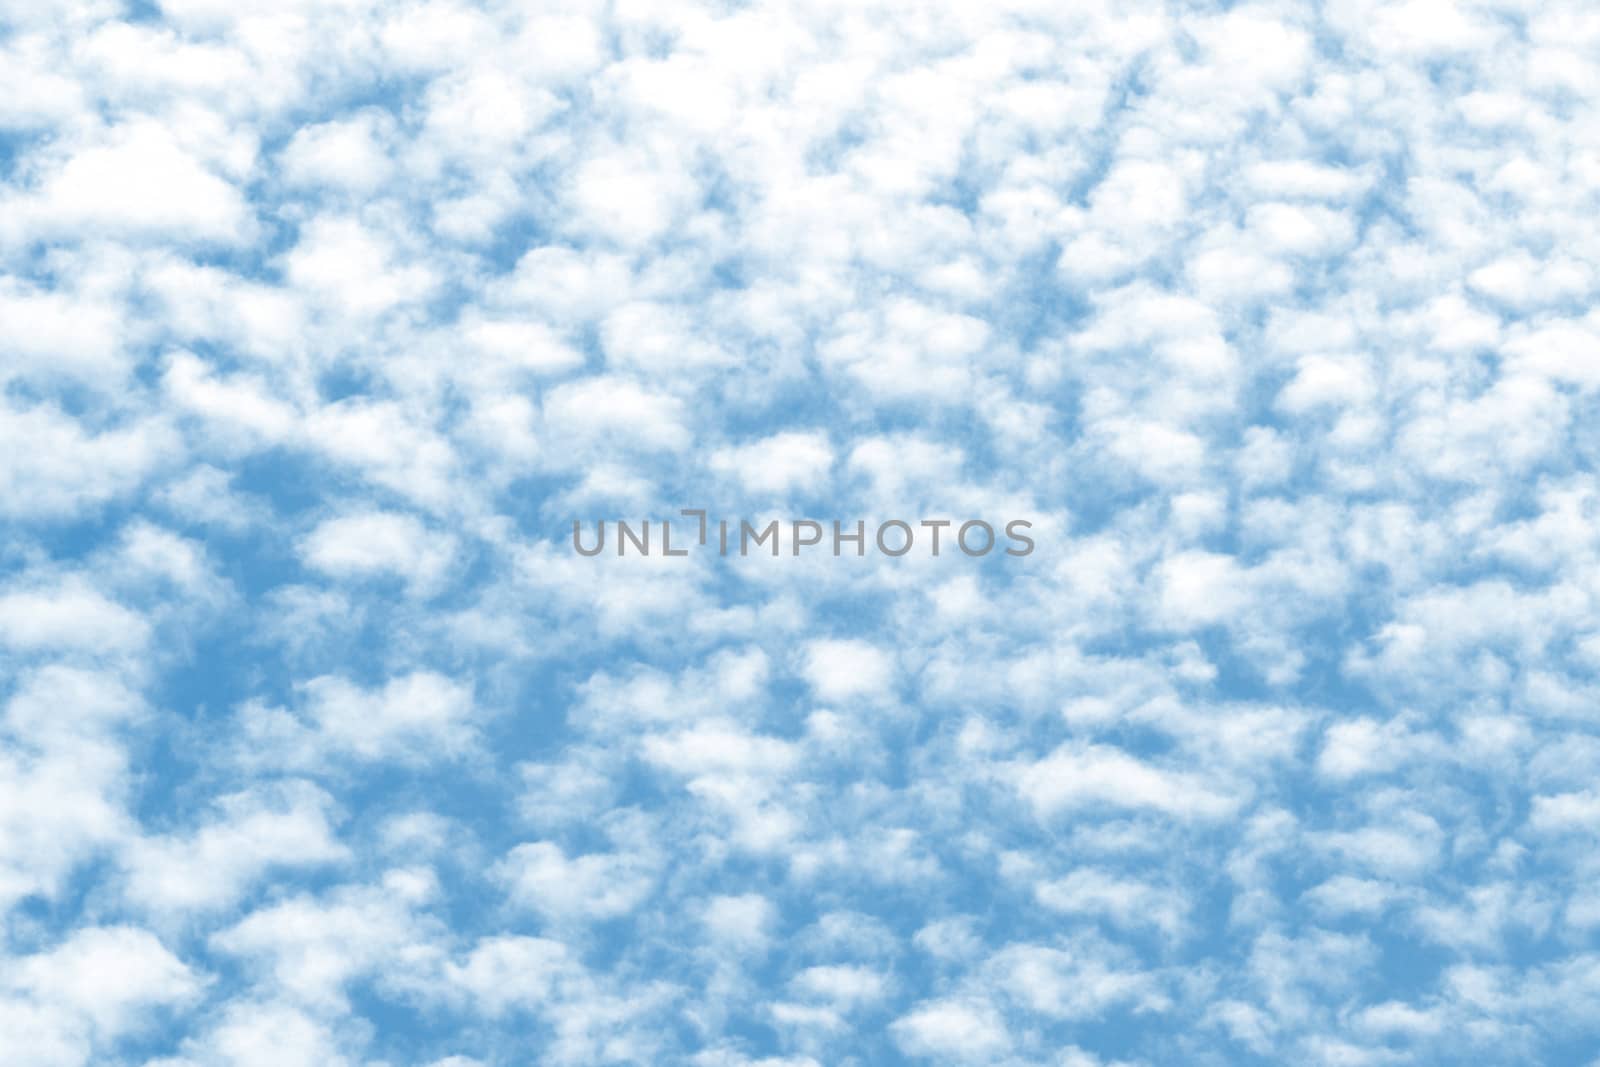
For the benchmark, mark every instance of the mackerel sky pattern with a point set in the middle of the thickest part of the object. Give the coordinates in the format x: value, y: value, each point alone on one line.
x: 320, y: 323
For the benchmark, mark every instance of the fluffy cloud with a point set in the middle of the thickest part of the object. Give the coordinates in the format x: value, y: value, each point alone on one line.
x: 322, y: 323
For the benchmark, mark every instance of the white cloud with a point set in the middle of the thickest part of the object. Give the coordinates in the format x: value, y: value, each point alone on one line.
x: 70, y: 615
x: 69, y: 1006
x: 110, y: 977
x: 1077, y: 776
x: 595, y: 413
x: 288, y: 825
x: 601, y: 885
x: 259, y: 1033
x: 415, y: 718
x: 68, y: 335
x: 781, y: 463
x: 378, y: 544
x: 844, y: 986
x: 312, y: 949
x: 52, y: 465
x: 842, y: 670
x: 344, y: 264
x: 953, y: 1029
x: 350, y: 154
x: 1200, y: 589
x: 140, y: 183
x: 502, y: 973
x: 1126, y: 902
x: 1073, y: 984
x: 743, y: 921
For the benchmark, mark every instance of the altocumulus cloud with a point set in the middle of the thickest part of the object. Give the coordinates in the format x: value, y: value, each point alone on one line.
x: 321, y: 323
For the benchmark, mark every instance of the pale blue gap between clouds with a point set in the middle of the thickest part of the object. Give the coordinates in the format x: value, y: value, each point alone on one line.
x: 322, y: 322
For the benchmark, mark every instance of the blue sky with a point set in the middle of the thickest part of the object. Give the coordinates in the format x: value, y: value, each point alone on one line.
x: 321, y: 322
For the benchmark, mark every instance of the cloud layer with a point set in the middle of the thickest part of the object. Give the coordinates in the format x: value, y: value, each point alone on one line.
x: 322, y: 322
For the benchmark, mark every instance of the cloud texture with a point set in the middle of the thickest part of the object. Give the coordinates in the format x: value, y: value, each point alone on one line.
x: 321, y: 322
